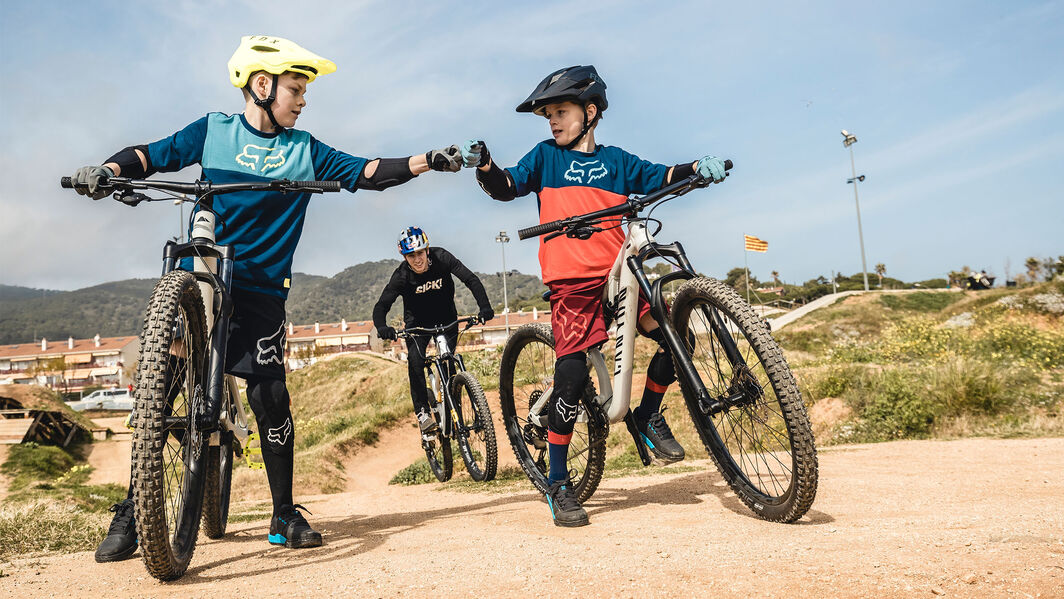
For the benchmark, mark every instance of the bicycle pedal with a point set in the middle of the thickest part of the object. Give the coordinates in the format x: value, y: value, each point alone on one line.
x: 253, y: 455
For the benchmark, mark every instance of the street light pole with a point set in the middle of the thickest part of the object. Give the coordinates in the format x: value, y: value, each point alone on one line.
x: 503, y: 238
x: 848, y: 140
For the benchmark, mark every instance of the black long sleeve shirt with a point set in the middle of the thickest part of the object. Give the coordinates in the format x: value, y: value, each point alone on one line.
x: 428, y: 298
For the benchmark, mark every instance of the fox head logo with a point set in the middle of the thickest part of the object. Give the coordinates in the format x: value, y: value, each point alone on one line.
x: 279, y: 435
x: 271, y: 348
x: 585, y: 172
x: 259, y: 158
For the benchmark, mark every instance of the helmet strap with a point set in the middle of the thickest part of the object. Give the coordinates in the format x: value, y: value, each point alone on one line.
x: 583, y: 132
x: 267, y: 104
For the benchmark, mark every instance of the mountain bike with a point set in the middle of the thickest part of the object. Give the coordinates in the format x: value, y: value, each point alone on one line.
x: 188, y: 419
x: 739, y: 391
x: 459, y: 407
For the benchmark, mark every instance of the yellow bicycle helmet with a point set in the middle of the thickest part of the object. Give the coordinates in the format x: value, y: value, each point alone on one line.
x: 274, y: 55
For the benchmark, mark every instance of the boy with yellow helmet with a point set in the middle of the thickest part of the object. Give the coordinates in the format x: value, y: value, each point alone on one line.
x: 263, y: 227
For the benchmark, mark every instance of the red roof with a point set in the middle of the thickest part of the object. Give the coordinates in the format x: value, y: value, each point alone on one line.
x: 330, y: 329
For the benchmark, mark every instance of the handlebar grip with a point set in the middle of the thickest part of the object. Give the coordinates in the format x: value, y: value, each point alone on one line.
x: 537, y: 230
x: 325, y: 186
x: 66, y: 183
x: 728, y: 165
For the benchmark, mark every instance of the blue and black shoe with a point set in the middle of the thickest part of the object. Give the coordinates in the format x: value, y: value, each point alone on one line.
x: 566, y: 510
x: 291, y: 529
x: 121, y: 540
x: 657, y: 435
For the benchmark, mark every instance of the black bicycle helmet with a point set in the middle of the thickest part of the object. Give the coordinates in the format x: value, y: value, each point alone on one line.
x: 580, y: 84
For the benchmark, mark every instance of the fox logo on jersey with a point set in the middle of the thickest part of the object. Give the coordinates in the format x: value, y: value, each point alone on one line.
x: 250, y: 158
x: 591, y: 170
x: 430, y: 286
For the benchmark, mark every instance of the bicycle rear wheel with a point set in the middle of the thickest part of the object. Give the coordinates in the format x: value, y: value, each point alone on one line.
x: 754, y: 424
x: 219, y: 477
x: 169, y: 454
x: 527, y: 372
x: 477, y: 442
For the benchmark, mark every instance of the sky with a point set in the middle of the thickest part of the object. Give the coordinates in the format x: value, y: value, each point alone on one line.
x: 958, y: 107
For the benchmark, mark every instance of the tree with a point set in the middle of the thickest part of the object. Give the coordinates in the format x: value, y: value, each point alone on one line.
x: 881, y: 269
x: 1033, y: 266
x: 776, y: 277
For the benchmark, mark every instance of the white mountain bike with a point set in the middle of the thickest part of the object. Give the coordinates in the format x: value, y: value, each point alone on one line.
x: 188, y: 419
x: 739, y: 391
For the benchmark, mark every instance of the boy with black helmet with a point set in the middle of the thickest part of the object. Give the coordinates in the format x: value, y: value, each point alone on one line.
x: 424, y: 282
x: 263, y: 228
x: 572, y: 175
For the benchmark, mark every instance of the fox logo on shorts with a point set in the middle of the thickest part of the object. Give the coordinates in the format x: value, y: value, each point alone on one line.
x: 592, y: 170
x: 279, y: 435
x: 271, y: 348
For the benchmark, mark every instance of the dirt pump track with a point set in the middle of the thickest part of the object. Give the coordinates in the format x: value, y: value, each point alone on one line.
x: 968, y: 518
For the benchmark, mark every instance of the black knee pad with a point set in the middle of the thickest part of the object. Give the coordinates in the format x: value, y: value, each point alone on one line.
x: 661, y: 369
x: 273, y: 412
x: 570, y: 378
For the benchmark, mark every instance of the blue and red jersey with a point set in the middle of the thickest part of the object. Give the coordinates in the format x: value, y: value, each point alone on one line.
x: 263, y: 227
x: 568, y: 183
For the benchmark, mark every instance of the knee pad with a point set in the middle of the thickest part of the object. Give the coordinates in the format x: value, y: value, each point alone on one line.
x: 270, y: 401
x: 570, y: 378
x: 661, y: 369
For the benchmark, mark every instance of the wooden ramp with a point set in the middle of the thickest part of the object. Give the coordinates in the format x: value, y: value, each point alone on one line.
x: 13, y: 429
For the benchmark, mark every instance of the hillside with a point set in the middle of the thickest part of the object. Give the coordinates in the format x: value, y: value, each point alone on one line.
x: 115, y: 308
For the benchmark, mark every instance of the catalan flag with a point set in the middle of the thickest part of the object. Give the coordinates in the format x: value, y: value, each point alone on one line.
x: 753, y: 244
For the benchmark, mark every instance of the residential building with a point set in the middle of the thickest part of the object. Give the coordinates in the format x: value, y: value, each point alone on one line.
x: 72, y: 365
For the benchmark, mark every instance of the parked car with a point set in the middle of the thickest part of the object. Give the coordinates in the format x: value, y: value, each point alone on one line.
x: 104, y: 399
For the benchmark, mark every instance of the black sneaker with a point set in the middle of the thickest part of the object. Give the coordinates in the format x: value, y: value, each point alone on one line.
x: 658, y: 438
x: 121, y: 540
x: 292, y: 530
x: 566, y: 510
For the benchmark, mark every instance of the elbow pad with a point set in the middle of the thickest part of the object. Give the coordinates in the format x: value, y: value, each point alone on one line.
x: 390, y: 172
x: 497, y: 183
x: 128, y: 160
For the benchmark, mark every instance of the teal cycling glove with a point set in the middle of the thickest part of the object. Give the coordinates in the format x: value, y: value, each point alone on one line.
x: 711, y: 167
x: 475, y: 153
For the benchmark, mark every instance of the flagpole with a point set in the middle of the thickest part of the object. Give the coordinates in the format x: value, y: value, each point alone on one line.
x: 746, y: 262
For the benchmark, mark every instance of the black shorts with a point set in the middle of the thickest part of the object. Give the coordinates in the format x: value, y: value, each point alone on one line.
x: 256, y: 336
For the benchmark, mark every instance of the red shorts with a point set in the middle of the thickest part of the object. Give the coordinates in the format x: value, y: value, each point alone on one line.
x: 576, y: 314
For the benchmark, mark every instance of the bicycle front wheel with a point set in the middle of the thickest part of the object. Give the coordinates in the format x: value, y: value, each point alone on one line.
x: 753, y: 422
x: 526, y: 374
x: 169, y: 453
x: 475, y: 430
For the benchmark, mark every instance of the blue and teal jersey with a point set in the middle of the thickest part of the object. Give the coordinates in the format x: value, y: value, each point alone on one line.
x: 263, y: 227
x: 569, y: 183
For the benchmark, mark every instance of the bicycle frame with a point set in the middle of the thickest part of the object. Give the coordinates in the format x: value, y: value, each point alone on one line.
x: 450, y: 417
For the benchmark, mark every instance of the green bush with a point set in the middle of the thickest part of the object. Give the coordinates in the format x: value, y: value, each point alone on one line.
x: 30, y: 462
x: 417, y: 473
x: 894, y: 406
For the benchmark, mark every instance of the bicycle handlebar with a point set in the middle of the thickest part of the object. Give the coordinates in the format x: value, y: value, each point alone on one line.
x: 629, y: 206
x: 201, y: 187
x: 409, y: 331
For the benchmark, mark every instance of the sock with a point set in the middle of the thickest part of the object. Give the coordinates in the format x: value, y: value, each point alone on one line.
x: 558, y: 450
x: 651, y: 402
